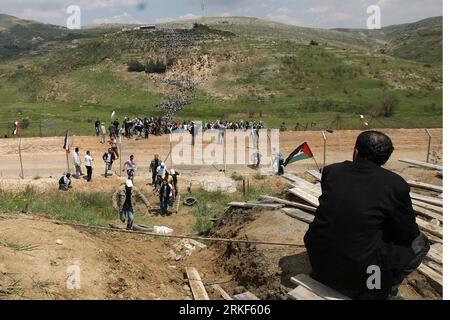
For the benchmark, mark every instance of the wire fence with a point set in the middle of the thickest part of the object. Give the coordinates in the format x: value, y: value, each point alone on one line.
x: 41, y: 128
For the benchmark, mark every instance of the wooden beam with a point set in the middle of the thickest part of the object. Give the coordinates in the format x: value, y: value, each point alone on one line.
x: 299, y: 215
x: 246, y: 296
x: 433, y: 265
x: 428, y: 206
x: 197, y: 287
x: 222, y: 292
x: 431, y: 200
x: 288, y: 203
x: 435, y: 253
x: 309, y: 198
x: 431, y: 275
x: 318, y: 288
x: 426, y: 186
x: 301, y: 293
x: 430, y: 228
x: 315, y: 174
x: 427, y: 213
x: 315, y: 189
x: 251, y: 205
x: 422, y: 164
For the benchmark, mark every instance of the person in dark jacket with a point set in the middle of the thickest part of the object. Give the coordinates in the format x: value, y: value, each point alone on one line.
x: 165, y: 193
x: 364, y: 240
x: 109, y: 158
x: 153, y: 166
x: 65, y: 183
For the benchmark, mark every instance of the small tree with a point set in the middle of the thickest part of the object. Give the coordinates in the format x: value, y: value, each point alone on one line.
x: 135, y: 66
x: 389, y: 103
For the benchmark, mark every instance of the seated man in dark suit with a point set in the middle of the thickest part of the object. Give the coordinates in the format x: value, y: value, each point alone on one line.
x: 365, y: 225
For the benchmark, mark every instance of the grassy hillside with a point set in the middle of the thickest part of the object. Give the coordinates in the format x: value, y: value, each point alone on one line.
x: 238, y: 77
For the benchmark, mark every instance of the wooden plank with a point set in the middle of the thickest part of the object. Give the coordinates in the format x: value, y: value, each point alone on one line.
x: 427, y: 213
x: 318, y: 288
x: 432, y: 238
x: 435, y: 253
x: 299, y: 215
x: 246, y: 296
x: 422, y: 164
x: 315, y: 174
x: 315, y: 189
x: 222, y: 292
x: 426, y: 186
x: 431, y: 275
x: 427, y: 206
x: 301, y: 293
x: 433, y: 265
x: 430, y: 228
x: 197, y: 287
x: 250, y: 205
x: 431, y: 200
x: 289, y: 203
x: 305, y: 196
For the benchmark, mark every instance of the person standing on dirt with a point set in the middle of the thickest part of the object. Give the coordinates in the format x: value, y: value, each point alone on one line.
x: 124, y: 199
x: 174, y: 181
x: 65, y: 183
x: 154, y: 164
x: 365, y: 222
x: 114, y: 148
x: 109, y: 158
x: 88, y: 163
x: 77, y: 163
x: 97, y: 127
x: 164, y: 197
x: 130, y: 167
x: 103, y: 132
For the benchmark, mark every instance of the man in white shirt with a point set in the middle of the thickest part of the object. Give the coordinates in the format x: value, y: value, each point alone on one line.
x: 77, y: 163
x: 103, y: 132
x: 130, y: 167
x: 88, y: 163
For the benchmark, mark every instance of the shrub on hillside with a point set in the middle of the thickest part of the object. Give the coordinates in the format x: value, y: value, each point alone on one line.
x: 389, y: 103
x: 155, y: 66
x: 135, y: 66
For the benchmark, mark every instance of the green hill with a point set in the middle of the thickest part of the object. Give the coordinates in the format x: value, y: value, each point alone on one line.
x: 239, y: 75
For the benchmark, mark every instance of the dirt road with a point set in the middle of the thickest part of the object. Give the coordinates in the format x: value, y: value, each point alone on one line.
x: 44, y: 157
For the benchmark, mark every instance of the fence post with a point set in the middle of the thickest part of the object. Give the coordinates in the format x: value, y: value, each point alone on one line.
x: 429, y: 145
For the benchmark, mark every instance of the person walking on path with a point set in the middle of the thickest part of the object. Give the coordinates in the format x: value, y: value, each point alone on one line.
x: 88, y: 163
x: 103, y: 132
x: 164, y: 197
x: 130, y: 167
x: 97, y: 127
x: 109, y: 158
x: 124, y: 201
x: 77, y: 163
x: 154, y: 164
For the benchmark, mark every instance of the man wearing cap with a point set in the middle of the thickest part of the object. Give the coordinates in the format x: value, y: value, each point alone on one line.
x: 124, y: 199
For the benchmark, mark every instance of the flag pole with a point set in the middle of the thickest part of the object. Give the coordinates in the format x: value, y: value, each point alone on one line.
x: 20, y: 157
x: 314, y: 158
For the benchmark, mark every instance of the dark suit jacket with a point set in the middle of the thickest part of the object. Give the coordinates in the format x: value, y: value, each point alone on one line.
x: 365, y: 218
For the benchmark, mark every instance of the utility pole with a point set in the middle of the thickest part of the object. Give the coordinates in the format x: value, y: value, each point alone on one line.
x: 204, y: 8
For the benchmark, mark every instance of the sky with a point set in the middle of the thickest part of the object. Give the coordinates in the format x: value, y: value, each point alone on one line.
x: 308, y: 13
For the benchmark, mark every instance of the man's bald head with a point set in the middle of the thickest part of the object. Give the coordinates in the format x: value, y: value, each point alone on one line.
x: 374, y: 146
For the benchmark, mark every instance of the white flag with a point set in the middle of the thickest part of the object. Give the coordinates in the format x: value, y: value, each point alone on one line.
x: 113, y: 114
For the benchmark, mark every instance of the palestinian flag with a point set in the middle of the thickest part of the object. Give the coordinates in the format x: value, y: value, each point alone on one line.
x: 66, y: 143
x: 301, y: 153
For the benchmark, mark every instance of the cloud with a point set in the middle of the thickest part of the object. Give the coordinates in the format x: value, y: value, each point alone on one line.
x: 312, y: 13
x: 123, y: 18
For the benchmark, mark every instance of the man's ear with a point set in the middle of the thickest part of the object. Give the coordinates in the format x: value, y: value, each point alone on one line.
x: 355, y: 154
